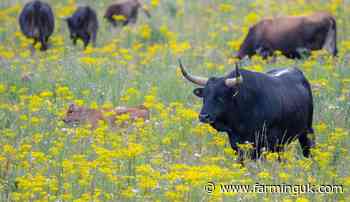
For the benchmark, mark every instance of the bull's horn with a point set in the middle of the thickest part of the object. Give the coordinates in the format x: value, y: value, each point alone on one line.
x: 202, y: 81
x: 233, y: 81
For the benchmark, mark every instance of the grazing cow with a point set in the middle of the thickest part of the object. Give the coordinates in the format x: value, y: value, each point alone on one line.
x: 37, y: 21
x: 81, y: 115
x: 128, y: 9
x: 293, y: 36
x: 83, y: 24
x: 268, y: 109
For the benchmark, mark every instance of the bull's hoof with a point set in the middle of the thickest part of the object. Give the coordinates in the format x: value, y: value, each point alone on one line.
x: 43, y: 48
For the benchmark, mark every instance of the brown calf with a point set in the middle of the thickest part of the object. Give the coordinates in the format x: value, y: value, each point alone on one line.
x: 81, y: 115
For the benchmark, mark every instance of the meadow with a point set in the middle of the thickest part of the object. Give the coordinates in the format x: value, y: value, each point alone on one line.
x: 172, y: 157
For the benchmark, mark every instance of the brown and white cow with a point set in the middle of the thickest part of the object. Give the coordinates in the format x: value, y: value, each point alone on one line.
x: 292, y: 36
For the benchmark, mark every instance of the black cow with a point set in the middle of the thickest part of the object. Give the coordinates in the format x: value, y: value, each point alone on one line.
x: 37, y: 21
x: 83, y: 24
x: 128, y: 9
x: 268, y: 110
x: 294, y: 36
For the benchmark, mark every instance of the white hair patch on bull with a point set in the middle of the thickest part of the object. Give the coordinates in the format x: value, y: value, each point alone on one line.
x: 279, y: 73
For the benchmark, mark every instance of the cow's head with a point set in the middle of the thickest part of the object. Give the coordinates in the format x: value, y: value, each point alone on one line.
x: 217, y: 94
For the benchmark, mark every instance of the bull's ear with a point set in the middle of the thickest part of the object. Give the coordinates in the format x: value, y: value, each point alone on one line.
x: 198, y: 92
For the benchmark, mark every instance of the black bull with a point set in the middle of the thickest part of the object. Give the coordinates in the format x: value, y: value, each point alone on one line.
x: 268, y: 110
x: 83, y: 24
x: 37, y: 21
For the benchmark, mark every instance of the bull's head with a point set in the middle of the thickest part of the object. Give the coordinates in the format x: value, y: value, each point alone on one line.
x: 217, y: 93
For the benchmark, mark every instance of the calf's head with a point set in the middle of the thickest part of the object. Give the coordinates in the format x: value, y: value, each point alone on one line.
x: 76, y: 114
x: 217, y: 94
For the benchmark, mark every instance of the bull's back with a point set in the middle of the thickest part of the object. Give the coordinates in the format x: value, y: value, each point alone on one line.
x: 27, y: 21
x: 87, y: 18
x: 282, y: 33
x: 121, y: 8
x: 290, y: 78
x: 292, y: 32
x: 47, y: 19
x: 296, y: 98
x: 36, y: 18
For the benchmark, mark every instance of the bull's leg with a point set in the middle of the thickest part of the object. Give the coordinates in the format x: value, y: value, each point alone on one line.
x: 233, y: 141
x: 112, y: 21
x: 32, y: 47
x: 266, y: 53
x: 35, y: 42
x: 306, y: 144
x: 302, y: 53
x: 126, y: 22
x: 86, y: 39
x: 94, y: 36
x: 335, y: 52
x: 48, y: 45
x: 43, y: 44
x: 133, y: 19
x: 272, y: 140
x: 133, y: 16
x: 234, y: 145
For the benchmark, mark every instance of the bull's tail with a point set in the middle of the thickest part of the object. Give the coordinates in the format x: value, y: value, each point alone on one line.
x: 331, y: 39
x: 310, y: 130
x: 310, y: 101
